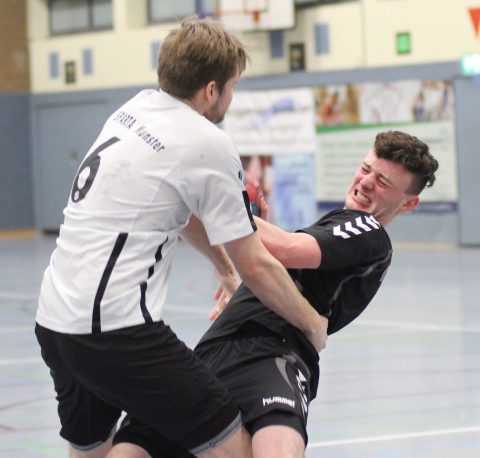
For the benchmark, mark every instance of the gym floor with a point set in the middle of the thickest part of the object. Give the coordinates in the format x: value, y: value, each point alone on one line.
x: 402, y: 381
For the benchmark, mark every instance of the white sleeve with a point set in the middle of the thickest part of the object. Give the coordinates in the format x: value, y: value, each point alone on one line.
x: 210, y: 181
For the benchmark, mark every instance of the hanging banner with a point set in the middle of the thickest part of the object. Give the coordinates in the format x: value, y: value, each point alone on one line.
x: 272, y: 122
x: 348, y: 117
x: 294, y: 205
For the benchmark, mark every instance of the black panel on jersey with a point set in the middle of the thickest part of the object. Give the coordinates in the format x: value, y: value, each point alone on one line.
x: 143, y: 286
x: 117, y: 249
x: 356, y: 252
x: 246, y: 201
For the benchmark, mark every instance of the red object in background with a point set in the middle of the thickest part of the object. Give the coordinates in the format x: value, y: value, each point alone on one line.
x: 254, y: 191
x: 475, y: 17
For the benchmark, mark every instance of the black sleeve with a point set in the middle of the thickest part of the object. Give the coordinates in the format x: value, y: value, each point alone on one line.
x: 348, y: 238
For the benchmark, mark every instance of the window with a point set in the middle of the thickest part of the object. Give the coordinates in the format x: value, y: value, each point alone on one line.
x: 276, y: 44
x: 175, y: 10
x: 74, y: 16
x: 322, y: 39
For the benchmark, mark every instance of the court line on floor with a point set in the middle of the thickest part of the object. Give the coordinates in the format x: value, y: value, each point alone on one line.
x: 18, y: 296
x: 360, y: 322
x: 417, y: 326
x: 169, y: 307
x: 392, y: 437
x: 13, y: 362
x: 15, y: 329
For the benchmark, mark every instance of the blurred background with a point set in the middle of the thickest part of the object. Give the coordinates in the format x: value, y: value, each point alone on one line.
x: 325, y: 77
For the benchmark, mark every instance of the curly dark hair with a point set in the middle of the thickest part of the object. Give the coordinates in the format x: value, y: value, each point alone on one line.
x: 412, y: 153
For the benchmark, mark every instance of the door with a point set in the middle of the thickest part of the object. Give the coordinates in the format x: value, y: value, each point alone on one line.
x: 66, y: 133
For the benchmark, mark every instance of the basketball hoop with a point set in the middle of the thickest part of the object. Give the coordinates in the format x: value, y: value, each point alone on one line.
x: 256, y: 15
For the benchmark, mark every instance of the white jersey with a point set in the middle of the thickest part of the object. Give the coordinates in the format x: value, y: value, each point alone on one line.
x: 155, y: 163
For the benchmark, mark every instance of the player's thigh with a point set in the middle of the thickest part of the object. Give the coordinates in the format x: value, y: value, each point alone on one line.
x: 87, y: 421
x: 271, y: 390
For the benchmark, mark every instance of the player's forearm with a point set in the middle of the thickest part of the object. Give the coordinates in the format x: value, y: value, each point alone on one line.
x: 270, y: 282
x: 194, y: 234
x: 273, y: 238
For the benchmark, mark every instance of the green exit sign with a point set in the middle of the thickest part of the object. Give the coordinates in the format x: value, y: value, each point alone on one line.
x: 403, y: 43
x: 471, y: 64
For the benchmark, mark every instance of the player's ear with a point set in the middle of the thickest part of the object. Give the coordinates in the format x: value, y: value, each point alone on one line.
x: 410, y: 204
x: 211, y: 91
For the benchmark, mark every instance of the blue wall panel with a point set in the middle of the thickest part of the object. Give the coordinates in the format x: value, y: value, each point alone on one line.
x: 16, y: 190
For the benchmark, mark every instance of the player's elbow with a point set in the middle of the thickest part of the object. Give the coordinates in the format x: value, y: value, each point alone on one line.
x: 298, y: 251
x: 281, y: 250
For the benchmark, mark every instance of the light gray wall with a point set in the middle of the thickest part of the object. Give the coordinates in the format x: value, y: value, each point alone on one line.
x: 414, y: 227
x: 16, y: 190
x: 64, y: 126
x: 467, y: 98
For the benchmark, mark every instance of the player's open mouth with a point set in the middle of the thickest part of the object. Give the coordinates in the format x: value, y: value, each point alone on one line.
x: 362, y: 197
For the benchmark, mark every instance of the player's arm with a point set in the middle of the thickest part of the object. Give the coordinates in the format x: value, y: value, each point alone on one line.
x: 194, y: 234
x: 270, y: 282
x: 293, y: 250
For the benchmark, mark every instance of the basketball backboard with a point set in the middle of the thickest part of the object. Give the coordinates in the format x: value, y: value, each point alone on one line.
x: 252, y: 15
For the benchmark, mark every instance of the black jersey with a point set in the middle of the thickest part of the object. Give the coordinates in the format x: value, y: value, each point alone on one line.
x: 356, y: 252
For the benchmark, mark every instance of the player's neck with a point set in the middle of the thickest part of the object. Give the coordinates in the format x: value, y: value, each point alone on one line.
x: 195, y: 103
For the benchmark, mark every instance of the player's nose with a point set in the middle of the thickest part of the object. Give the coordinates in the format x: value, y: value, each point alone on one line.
x: 367, y: 181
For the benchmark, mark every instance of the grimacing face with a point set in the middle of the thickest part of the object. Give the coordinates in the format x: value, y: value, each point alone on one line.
x: 378, y: 187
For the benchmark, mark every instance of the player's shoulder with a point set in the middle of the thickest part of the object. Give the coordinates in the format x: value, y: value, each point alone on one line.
x: 344, y: 215
x: 210, y: 132
x: 346, y: 224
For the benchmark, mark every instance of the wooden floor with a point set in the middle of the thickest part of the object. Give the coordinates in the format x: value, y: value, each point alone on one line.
x: 401, y: 381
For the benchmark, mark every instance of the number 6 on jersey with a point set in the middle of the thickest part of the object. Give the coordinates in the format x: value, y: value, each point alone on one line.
x: 84, y: 179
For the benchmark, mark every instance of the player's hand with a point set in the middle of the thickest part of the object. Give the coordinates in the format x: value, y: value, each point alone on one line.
x: 220, y: 305
x: 319, y: 337
x: 263, y: 208
x: 228, y: 285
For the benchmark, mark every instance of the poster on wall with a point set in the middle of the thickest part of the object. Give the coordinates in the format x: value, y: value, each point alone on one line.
x: 348, y: 117
x: 272, y: 122
x: 287, y: 182
x: 274, y: 132
x: 294, y: 205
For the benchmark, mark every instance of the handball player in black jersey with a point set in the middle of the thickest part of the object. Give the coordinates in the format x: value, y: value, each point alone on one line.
x: 338, y: 264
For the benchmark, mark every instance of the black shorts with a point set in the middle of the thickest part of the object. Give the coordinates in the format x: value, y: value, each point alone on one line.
x: 143, y: 370
x: 268, y: 381
x: 266, y: 378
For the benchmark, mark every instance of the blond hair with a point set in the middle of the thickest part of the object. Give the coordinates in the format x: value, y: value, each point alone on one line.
x: 199, y: 52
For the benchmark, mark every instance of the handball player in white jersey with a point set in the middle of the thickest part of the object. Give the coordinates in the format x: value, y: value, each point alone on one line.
x: 159, y: 169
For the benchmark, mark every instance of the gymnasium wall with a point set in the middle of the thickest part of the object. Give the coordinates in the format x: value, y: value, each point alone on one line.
x: 441, y: 30
x: 16, y: 191
x: 349, y: 42
x: 89, y: 109
x: 340, y: 36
